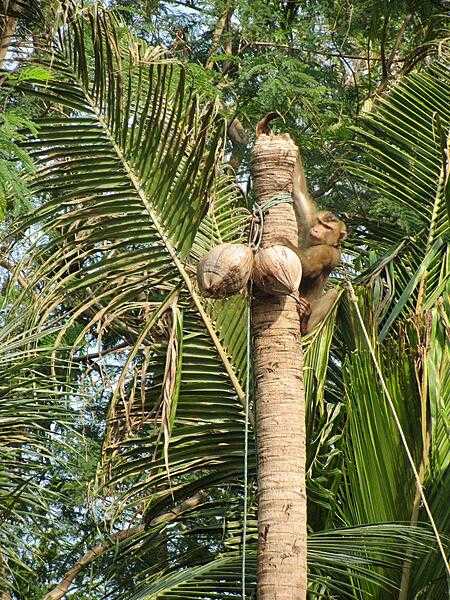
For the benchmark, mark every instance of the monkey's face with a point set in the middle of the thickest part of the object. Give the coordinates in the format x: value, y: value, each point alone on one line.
x: 327, y: 230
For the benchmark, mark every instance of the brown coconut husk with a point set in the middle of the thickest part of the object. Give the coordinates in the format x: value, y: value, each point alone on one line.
x: 225, y: 270
x: 277, y: 270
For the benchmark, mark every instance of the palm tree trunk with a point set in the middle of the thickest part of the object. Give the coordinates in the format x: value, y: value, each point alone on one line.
x: 7, y: 29
x: 279, y: 395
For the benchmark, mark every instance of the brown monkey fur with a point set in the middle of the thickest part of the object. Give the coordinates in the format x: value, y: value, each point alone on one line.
x: 321, y: 234
x: 318, y: 260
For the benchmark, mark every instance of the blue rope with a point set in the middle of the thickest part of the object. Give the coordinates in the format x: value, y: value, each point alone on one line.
x: 280, y: 198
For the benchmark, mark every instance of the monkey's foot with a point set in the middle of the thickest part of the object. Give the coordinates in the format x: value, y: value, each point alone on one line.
x: 304, y: 312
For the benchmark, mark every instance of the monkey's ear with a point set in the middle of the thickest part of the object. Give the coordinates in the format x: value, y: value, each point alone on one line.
x: 343, y: 234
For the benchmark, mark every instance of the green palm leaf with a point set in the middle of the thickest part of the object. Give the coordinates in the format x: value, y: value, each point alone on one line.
x: 127, y: 203
x: 34, y: 411
x: 405, y: 164
x: 332, y: 557
x: 405, y: 140
x: 126, y: 158
x: 126, y: 161
x: 127, y: 170
x: 378, y: 481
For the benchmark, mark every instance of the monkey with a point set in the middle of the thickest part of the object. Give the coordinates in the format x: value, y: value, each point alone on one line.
x: 320, y: 236
x: 318, y: 259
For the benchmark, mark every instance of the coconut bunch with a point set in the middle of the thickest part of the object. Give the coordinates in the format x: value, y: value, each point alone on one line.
x: 227, y: 268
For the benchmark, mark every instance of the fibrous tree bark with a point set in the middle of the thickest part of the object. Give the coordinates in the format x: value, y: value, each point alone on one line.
x: 279, y: 394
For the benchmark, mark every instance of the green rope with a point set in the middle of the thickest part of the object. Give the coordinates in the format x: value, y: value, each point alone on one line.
x: 280, y: 198
x: 256, y: 228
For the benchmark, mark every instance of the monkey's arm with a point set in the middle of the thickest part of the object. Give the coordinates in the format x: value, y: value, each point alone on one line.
x: 320, y: 309
x: 319, y: 260
x: 305, y: 207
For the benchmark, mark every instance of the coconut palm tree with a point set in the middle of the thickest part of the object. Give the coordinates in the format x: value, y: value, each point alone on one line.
x: 129, y: 196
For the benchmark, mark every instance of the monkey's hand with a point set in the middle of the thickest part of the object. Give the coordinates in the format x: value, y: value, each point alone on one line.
x: 304, y: 312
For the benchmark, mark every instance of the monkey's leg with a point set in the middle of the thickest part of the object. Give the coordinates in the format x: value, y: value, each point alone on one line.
x: 320, y: 309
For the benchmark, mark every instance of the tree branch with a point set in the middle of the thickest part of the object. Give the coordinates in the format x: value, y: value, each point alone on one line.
x: 222, y: 24
x: 384, y: 68
x: 388, y: 62
x: 320, y: 53
x: 191, y: 6
x: 8, y: 266
x: 398, y: 40
x: 63, y: 586
x: 238, y: 139
x: 8, y: 28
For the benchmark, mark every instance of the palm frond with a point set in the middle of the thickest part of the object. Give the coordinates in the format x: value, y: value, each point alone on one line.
x: 226, y: 222
x: 126, y: 194
x: 126, y: 156
x: 404, y: 142
x: 333, y: 558
x: 34, y: 411
x: 323, y: 424
x: 378, y: 481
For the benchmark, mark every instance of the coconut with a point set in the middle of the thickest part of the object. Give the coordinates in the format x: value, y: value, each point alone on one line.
x: 277, y: 270
x: 225, y: 270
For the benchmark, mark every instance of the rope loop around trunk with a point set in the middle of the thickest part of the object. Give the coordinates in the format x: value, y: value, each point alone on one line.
x: 259, y: 210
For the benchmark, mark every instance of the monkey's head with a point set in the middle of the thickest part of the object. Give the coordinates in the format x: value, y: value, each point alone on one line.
x: 327, y: 229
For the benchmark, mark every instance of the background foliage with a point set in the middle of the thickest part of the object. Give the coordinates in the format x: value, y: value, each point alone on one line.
x: 121, y: 417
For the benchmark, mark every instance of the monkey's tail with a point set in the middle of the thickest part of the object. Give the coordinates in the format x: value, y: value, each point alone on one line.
x: 263, y: 125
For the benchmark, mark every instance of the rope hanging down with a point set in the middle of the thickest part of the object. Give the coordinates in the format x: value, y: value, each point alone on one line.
x: 254, y: 242
x: 247, y: 409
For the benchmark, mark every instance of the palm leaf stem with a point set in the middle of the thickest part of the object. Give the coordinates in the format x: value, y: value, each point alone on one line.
x: 431, y: 237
